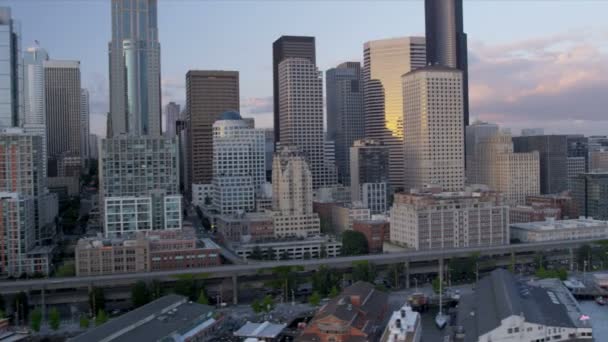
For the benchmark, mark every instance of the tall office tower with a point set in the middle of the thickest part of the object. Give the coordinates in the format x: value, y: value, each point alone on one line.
x: 491, y: 161
x: 434, y: 138
x: 63, y: 117
x: 345, y: 119
x: 553, y: 153
x: 283, y: 48
x: 476, y: 132
x: 11, y: 73
x: 446, y: 42
x: 369, y: 174
x: 301, y: 115
x: 292, y: 195
x: 238, y: 164
x: 590, y: 193
x: 93, y: 146
x: 139, y: 184
x: 384, y: 63
x: 209, y: 93
x: 84, y: 123
x: 172, y: 111
x: 134, y: 51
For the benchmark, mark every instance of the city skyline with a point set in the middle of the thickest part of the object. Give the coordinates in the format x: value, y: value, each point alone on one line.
x: 556, y: 57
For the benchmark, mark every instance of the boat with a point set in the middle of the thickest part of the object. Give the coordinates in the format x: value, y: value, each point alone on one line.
x: 600, y: 300
x: 441, y: 320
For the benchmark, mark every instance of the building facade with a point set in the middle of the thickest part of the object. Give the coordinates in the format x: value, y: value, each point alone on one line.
x: 551, y: 230
x: 590, y: 193
x: 172, y: 111
x: 553, y: 156
x: 345, y: 118
x: 209, y: 93
x: 434, y: 134
x: 84, y: 123
x: 376, y: 233
x: 370, y: 177
x: 384, y: 61
x: 344, y: 216
x: 426, y: 221
x: 11, y: 75
x: 134, y: 54
x: 34, y: 95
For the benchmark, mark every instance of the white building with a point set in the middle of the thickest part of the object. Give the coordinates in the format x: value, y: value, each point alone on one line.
x: 492, y: 162
x: 202, y: 194
x: 405, y: 325
x: 127, y: 214
x: 550, y: 230
x: 84, y: 124
x: 239, y: 168
x: 297, y: 249
x: 301, y: 116
x: 442, y: 220
x: 434, y: 137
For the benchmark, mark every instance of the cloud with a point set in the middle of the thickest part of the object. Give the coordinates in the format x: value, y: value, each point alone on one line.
x: 257, y: 105
x: 559, y: 82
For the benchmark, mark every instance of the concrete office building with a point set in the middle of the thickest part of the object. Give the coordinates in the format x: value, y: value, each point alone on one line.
x: 553, y: 154
x: 384, y: 61
x: 590, y: 193
x: 598, y: 160
x: 345, y: 117
x: 434, y: 134
x: 11, y: 75
x: 434, y: 220
x: 492, y: 162
x: 141, y: 167
x: 446, y: 41
x: 283, y: 48
x: 134, y: 53
x: 238, y: 164
x: 208, y: 94
x: 172, y: 111
x: 369, y: 164
x: 301, y: 115
x: 84, y: 123
x: 63, y: 116
x: 533, y: 213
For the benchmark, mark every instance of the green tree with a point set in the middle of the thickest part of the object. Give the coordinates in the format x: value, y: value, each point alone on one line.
x: 101, y: 318
x: 186, y: 287
x: 54, y: 319
x: 21, y: 307
x: 323, y: 280
x: 334, y: 292
x: 256, y: 253
x: 285, y: 279
x: 271, y: 254
x: 202, y: 298
x: 354, y: 243
x: 140, y: 295
x: 97, y: 299
x: 36, y: 319
x: 84, y: 322
x: 68, y: 269
x: 364, y: 271
x: 285, y: 255
x: 268, y: 303
x: 315, y: 298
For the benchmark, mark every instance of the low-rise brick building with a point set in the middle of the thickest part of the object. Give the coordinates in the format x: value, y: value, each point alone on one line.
x: 375, y: 231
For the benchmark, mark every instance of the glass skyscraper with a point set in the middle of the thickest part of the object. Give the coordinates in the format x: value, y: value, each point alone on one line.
x: 11, y: 71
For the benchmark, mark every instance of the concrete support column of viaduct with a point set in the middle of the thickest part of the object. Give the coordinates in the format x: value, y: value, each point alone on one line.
x: 235, y: 290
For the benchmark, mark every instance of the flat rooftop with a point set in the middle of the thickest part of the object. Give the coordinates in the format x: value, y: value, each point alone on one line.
x: 561, y: 224
x: 260, y: 330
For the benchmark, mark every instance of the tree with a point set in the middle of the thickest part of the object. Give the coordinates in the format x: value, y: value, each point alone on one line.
x: 101, y: 318
x: 140, y: 294
x: 315, y: 298
x: 364, y: 271
x: 54, y: 319
x: 271, y: 254
x: 354, y: 243
x: 463, y: 269
x: 21, y: 307
x: 285, y: 255
x: 186, y: 288
x: 256, y: 253
x: 256, y: 305
x: 323, y: 280
x: 36, y: 319
x: 84, y: 322
x: 68, y: 269
x: 202, y: 298
x: 97, y: 300
x: 334, y: 292
x: 285, y: 278
x: 268, y: 303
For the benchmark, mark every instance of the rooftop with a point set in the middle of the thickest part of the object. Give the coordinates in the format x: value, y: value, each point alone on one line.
x: 551, y: 224
x: 260, y: 330
x: 403, y: 325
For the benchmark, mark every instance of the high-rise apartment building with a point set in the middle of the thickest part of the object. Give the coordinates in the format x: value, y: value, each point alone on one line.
x: 345, y: 119
x: 172, y: 111
x: 431, y: 220
x: 446, y: 41
x: 292, y: 195
x: 238, y: 164
x: 63, y: 117
x: 434, y: 138
x: 553, y: 153
x: 139, y: 175
x: 34, y: 96
x: 11, y: 73
x: 283, y: 48
x: 301, y: 115
x: 369, y: 172
x: 134, y: 51
x: 384, y: 61
x: 491, y: 161
x: 84, y: 122
x: 209, y: 93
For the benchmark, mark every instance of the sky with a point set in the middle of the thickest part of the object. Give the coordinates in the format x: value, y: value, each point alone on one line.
x: 531, y: 63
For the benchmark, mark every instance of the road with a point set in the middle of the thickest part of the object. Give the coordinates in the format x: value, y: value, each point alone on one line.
x: 252, y: 269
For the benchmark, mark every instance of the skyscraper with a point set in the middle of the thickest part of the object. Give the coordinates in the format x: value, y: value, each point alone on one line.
x: 11, y: 73
x: 345, y: 119
x: 172, y: 111
x: 84, y: 123
x: 446, y: 41
x: 384, y: 63
x: 301, y: 115
x: 135, y: 104
x: 209, y: 93
x: 369, y: 160
x: 63, y: 117
x: 553, y: 154
x: 283, y: 48
x: 434, y: 138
